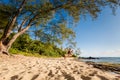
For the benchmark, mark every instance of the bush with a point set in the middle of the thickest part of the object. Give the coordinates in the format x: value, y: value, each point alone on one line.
x: 25, y: 45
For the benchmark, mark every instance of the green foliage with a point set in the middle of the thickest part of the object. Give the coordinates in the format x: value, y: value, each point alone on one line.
x: 77, y: 52
x: 26, y: 46
x: 54, y: 33
x: 21, y: 42
x: 16, y: 51
x: 6, y: 12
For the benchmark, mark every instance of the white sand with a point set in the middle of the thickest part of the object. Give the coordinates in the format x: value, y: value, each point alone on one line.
x: 31, y: 68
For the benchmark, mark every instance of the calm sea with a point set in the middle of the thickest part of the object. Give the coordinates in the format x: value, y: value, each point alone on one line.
x: 105, y: 59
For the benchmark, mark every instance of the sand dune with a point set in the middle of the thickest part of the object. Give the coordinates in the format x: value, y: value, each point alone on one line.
x: 31, y: 68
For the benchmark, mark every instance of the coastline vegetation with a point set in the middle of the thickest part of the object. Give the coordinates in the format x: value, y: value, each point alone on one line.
x: 26, y: 46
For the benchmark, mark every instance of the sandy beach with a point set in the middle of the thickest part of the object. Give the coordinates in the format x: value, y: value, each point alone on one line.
x: 20, y: 67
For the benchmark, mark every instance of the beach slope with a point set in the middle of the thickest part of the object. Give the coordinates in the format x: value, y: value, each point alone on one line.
x: 31, y: 68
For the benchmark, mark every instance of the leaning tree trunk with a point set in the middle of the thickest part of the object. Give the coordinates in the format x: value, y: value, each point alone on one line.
x: 3, y: 48
x: 9, y: 26
x: 7, y: 31
x: 8, y: 46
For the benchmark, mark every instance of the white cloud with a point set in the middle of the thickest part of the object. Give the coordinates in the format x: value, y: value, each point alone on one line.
x: 112, y: 53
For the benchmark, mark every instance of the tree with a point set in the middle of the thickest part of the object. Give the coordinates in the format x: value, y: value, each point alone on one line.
x: 30, y: 13
x: 5, y: 13
x: 77, y: 52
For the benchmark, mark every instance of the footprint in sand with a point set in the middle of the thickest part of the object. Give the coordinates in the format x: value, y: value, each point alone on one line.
x: 85, y: 77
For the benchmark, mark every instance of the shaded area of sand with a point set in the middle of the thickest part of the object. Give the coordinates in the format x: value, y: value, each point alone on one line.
x: 31, y: 68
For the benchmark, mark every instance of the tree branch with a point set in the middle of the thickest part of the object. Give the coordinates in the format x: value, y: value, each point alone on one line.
x: 10, y: 25
x: 52, y: 9
x: 20, y: 27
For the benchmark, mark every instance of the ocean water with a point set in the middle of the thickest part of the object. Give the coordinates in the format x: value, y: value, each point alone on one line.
x: 105, y: 59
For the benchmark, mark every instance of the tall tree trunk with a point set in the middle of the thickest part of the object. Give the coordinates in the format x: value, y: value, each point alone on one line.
x: 10, y: 24
x: 8, y: 46
x: 5, y: 48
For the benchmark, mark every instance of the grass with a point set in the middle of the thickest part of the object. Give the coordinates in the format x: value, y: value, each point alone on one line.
x: 15, y: 51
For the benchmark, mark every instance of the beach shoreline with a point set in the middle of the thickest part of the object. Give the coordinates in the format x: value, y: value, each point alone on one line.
x: 20, y: 67
x: 111, y: 67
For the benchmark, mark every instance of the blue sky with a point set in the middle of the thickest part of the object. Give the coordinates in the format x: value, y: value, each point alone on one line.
x: 100, y: 37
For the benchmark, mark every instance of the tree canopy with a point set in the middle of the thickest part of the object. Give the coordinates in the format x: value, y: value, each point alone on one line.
x: 49, y: 16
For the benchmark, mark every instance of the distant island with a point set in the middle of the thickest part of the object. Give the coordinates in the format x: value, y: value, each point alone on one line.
x: 89, y: 57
